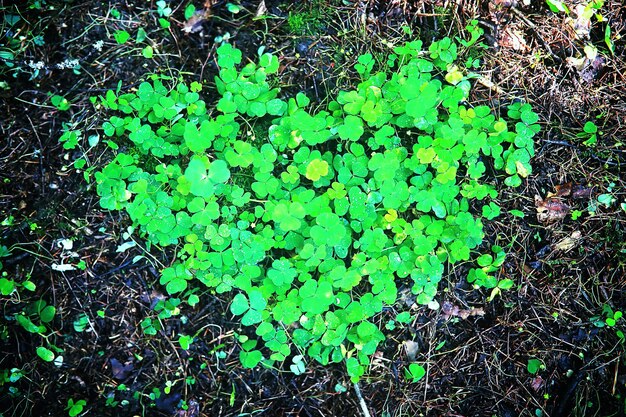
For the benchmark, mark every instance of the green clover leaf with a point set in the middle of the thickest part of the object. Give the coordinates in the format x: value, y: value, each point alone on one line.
x: 378, y: 185
x: 227, y: 56
x: 288, y: 215
x: 251, y: 307
x: 316, y: 169
x: 316, y: 297
x: 352, y: 128
x: 282, y: 272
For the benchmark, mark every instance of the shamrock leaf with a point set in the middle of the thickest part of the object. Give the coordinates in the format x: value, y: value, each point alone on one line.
x: 316, y: 169
x: 251, y: 307
x: 202, y: 180
x: 288, y: 215
x: 282, y: 272
x: 316, y: 297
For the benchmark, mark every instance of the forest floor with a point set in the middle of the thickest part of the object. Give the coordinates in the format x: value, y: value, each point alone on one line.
x: 553, y: 345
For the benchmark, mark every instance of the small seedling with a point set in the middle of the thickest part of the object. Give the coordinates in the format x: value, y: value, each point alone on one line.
x: 185, y: 341
x: 475, y: 33
x: 608, y: 39
x: 590, y: 134
x: 168, y: 387
x: 414, y: 372
x: 147, y: 52
x: 60, y: 102
x: 340, y: 388
x: 606, y: 199
x: 38, y: 312
x: 189, y: 11
x: 45, y: 354
x: 121, y: 36
x: 81, y: 323
x: 75, y: 408
x: 233, y: 8
x: 163, y: 9
x: 576, y: 214
x: 534, y: 366
x: 517, y: 213
x: 298, y: 366
x: 610, y: 317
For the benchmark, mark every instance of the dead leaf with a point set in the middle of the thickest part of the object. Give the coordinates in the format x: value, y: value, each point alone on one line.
x: 450, y: 310
x: 551, y: 209
x: 580, y: 191
x: 543, y: 251
x: 513, y: 39
x: 498, y: 7
x: 582, y: 23
x: 537, y: 383
x: 194, y: 23
x: 260, y: 11
x: 193, y: 410
x: 568, y: 189
x: 564, y: 190
x: 506, y: 3
x: 568, y: 243
x: 593, y: 69
x: 120, y: 371
x: 411, y: 348
x: 577, y: 63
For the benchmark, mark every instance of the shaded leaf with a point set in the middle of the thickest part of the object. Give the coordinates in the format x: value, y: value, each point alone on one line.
x: 45, y: 354
x: 119, y: 370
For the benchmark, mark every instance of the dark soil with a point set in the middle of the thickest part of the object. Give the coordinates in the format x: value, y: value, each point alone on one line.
x: 477, y: 358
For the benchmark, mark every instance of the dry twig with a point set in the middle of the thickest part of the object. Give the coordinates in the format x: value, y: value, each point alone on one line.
x: 357, y: 390
x: 533, y: 27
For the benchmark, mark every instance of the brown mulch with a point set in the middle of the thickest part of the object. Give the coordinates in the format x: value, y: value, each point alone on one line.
x: 477, y: 351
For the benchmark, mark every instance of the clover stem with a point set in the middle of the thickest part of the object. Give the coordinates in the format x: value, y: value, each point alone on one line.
x: 357, y: 390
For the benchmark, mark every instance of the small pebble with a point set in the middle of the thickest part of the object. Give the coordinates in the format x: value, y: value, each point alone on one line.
x: 303, y: 47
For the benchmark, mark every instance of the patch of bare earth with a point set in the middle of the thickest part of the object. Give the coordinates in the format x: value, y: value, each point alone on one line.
x: 567, y: 266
